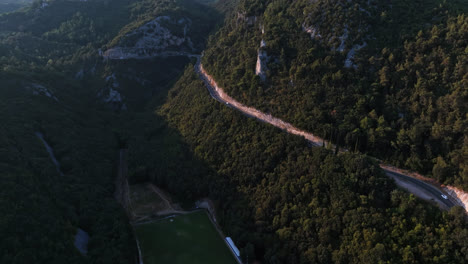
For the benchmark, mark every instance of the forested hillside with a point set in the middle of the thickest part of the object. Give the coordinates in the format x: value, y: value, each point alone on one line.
x: 43, y: 209
x: 81, y: 80
x: 54, y: 82
x: 387, y: 78
x: 12, y: 5
x: 286, y: 203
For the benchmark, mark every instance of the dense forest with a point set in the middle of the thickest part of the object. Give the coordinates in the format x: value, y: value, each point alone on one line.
x: 51, y: 82
x: 386, y: 78
x: 281, y: 201
x: 43, y: 209
x: 287, y: 203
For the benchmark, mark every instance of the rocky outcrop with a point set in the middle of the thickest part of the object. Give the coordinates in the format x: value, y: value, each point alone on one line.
x: 262, y: 60
x: 111, y: 96
x: 243, y: 18
x: 343, y: 38
x: 44, y: 4
x: 350, y: 56
x: 312, y: 31
x: 458, y: 195
x: 38, y: 89
x: 154, y: 39
x: 340, y: 32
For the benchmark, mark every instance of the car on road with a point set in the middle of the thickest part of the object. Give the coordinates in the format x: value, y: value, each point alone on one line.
x: 444, y: 196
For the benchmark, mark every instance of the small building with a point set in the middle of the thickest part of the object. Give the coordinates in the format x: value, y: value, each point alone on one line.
x: 233, y: 246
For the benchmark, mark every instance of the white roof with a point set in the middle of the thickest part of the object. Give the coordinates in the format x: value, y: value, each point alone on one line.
x: 233, y: 246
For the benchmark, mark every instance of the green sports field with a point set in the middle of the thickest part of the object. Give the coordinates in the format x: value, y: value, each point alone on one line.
x: 189, y: 238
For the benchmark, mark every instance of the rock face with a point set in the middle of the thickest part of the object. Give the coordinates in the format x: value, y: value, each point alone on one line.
x: 243, y: 18
x: 155, y: 39
x: 343, y: 39
x: 349, y: 58
x: 262, y: 60
x: 111, y: 96
x: 460, y: 196
x: 312, y: 31
x: 340, y: 32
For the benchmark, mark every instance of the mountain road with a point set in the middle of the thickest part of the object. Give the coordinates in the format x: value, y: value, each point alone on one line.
x: 416, y: 186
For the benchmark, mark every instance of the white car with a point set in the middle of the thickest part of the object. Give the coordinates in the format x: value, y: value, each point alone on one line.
x: 444, y: 196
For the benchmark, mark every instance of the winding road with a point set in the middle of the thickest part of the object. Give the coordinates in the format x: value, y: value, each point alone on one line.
x: 418, y: 187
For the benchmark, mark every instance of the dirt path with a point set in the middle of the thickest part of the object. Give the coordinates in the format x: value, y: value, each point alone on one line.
x: 171, y: 208
x: 155, y: 207
x: 122, y: 193
x: 161, y: 195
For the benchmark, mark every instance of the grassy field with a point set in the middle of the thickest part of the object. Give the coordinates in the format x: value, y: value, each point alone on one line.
x: 184, y: 239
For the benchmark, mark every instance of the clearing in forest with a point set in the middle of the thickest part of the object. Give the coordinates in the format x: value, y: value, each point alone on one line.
x: 145, y: 202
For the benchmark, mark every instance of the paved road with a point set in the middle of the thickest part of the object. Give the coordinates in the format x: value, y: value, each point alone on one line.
x: 413, y: 185
x: 422, y: 188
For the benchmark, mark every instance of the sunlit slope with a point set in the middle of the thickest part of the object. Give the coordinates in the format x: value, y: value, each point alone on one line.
x: 379, y: 77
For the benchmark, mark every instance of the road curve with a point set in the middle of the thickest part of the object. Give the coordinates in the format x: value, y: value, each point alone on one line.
x: 421, y: 186
x: 417, y: 187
